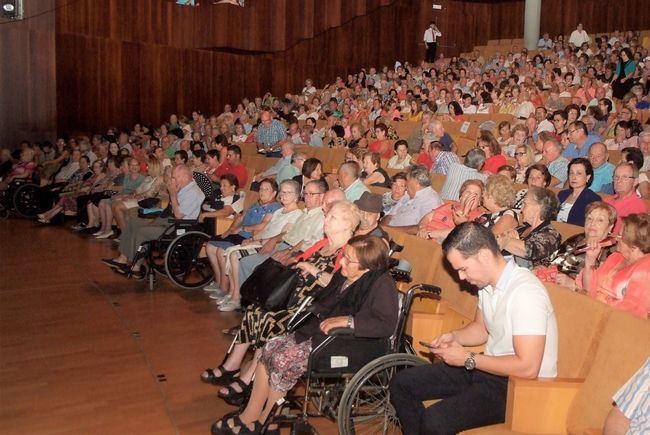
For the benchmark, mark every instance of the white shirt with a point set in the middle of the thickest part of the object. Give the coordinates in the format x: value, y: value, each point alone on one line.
x: 519, y: 305
x: 431, y: 35
x: 579, y: 37
x: 409, y: 211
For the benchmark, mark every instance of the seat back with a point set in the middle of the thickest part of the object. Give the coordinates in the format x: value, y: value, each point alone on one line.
x: 567, y: 230
x: 580, y: 321
x: 623, y: 347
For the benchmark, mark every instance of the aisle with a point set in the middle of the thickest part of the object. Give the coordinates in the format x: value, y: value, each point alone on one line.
x: 82, y: 350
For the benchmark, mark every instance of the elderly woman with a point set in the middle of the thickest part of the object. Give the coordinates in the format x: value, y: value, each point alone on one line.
x: 622, y: 280
x: 493, y: 157
x: 575, y: 199
x: 151, y: 187
x: 498, y: 199
x: 245, y: 226
x: 439, y: 222
x: 373, y: 174
x: 318, y: 264
x: 357, y: 140
x: 570, y: 257
x: 21, y: 170
x: 361, y: 296
x: 524, y: 157
x: 281, y: 221
x: 97, y: 182
x: 402, y: 158
x: 533, y: 242
x: 397, y: 191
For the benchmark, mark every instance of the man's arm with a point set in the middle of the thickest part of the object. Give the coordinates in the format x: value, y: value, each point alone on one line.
x: 525, y: 363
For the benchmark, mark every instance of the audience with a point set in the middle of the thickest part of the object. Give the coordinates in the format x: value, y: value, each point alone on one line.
x: 578, y: 196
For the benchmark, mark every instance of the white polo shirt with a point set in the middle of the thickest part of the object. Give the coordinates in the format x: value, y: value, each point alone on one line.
x: 519, y: 305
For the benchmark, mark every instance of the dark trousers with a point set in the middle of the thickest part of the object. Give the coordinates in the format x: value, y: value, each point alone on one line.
x: 431, y: 51
x: 470, y: 399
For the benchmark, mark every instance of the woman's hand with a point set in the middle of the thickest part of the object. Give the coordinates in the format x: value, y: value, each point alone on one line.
x: 592, y: 252
x: 333, y: 322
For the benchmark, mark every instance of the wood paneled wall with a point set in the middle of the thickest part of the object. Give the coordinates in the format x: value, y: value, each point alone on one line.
x: 28, y: 76
x: 123, y: 61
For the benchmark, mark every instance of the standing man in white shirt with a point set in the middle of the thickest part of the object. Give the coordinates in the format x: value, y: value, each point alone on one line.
x: 430, y: 38
x: 578, y: 37
x: 514, y: 319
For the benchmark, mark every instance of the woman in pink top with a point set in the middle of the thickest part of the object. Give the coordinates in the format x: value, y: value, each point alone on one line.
x: 622, y: 280
x: 382, y: 145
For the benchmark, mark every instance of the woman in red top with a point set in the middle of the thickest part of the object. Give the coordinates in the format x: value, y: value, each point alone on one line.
x: 382, y: 145
x: 493, y: 157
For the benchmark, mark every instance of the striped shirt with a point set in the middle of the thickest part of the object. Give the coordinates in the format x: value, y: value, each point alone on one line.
x: 633, y: 400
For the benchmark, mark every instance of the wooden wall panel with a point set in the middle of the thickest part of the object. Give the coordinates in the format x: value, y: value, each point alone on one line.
x: 28, y: 76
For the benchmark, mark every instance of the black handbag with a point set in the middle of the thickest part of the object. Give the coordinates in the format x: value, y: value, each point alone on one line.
x: 149, y: 202
x: 270, y: 285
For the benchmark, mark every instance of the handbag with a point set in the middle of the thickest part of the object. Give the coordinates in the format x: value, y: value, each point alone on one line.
x: 149, y: 202
x: 270, y: 285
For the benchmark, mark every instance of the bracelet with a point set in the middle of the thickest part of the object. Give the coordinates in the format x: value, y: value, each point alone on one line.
x: 350, y: 320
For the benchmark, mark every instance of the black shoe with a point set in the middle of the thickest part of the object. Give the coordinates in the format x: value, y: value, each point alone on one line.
x: 113, y: 264
x: 88, y: 230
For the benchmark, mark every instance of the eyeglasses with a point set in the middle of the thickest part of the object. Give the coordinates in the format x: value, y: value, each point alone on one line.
x: 347, y: 260
x: 520, y: 154
x: 571, y: 131
x: 312, y: 193
x: 623, y: 177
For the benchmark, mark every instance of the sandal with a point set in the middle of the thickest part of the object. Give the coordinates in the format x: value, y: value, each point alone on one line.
x: 226, y: 429
x: 234, y: 397
x: 226, y: 376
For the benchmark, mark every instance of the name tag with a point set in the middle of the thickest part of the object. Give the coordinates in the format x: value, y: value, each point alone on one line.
x: 337, y: 362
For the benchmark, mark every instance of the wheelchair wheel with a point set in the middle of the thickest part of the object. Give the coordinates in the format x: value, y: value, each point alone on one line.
x: 186, y: 263
x: 28, y: 200
x: 365, y: 406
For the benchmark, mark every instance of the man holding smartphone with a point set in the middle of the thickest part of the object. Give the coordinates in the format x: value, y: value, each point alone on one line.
x: 514, y: 319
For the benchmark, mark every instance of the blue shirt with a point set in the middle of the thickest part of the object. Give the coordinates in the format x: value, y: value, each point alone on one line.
x: 190, y: 199
x: 602, y: 177
x: 255, y: 214
x: 275, y: 169
x: 572, y: 150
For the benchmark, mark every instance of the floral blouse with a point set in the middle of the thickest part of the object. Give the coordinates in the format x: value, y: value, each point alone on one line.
x: 540, y: 244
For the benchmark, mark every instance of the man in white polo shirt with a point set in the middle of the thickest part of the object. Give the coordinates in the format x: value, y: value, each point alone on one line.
x: 514, y: 319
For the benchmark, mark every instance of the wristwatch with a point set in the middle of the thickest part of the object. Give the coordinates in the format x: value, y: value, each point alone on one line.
x: 350, y: 320
x: 470, y: 362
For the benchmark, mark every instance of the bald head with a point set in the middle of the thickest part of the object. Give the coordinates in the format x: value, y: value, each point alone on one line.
x: 598, y: 154
x: 332, y: 196
x: 182, y: 175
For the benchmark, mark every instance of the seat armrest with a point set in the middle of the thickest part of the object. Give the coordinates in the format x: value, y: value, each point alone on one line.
x: 341, y: 331
x: 540, y: 405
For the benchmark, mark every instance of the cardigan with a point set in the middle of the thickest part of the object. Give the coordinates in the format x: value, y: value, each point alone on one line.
x: 577, y: 213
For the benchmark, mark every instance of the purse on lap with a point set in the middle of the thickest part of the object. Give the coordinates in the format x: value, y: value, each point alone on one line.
x: 270, y: 285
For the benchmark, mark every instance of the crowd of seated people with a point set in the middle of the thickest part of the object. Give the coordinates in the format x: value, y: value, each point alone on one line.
x: 573, y: 109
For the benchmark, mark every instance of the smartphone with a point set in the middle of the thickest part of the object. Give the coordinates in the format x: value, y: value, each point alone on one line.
x: 425, y: 344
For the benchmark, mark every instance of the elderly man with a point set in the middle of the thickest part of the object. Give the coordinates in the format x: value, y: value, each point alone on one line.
x: 295, y: 168
x: 234, y: 166
x: 625, y: 199
x: 580, y: 140
x: 269, y: 133
x: 441, y: 160
x: 603, y: 169
x: 352, y: 186
x: 557, y: 164
x: 307, y: 230
x: 443, y: 137
x: 458, y: 174
x: 185, y: 199
x: 286, y: 153
x: 514, y: 319
x: 419, y: 200
x: 370, y: 208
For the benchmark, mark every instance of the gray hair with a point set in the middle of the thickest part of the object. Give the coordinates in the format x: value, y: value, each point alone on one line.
x: 548, y: 202
x: 475, y: 159
x: 295, y: 186
x: 420, y: 174
x: 350, y: 168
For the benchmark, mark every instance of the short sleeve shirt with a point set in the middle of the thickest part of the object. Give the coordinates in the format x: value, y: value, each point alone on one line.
x: 633, y: 400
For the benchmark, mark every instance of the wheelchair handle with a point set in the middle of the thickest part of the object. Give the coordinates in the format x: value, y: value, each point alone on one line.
x: 341, y: 331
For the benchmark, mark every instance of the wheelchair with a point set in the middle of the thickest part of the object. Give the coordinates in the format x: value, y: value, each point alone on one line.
x: 178, y: 253
x: 348, y: 378
x: 25, y: 198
